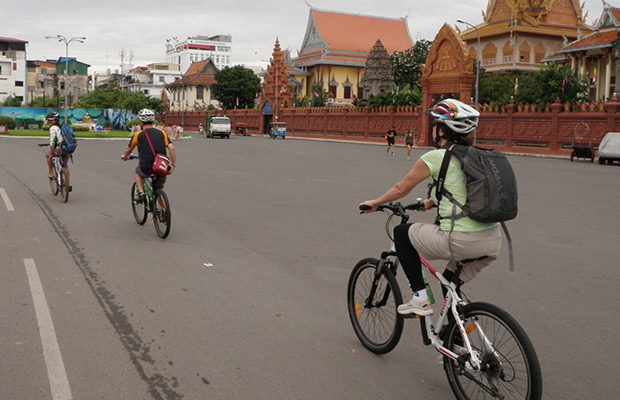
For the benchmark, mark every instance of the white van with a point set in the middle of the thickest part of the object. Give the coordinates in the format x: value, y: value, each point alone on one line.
x: 219, y: 126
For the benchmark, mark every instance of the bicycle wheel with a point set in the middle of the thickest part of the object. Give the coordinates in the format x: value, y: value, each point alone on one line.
x: 64, y: 189
x: 377, y: 324
x: 510, y: 365
x: 138, y: 207
x: 161, y: 214
x: 54, y: 184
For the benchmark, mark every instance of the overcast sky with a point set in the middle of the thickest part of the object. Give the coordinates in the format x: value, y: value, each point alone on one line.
x: 143, y: 27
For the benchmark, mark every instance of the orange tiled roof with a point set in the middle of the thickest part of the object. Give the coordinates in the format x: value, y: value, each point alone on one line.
x: 359, y: 33
x: 596, y: 39
x: 196, y: 67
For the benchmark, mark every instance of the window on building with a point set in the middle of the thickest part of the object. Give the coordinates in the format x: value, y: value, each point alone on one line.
x: 162, y: 79
x: 347, y: 92
x: 539, y: 53
x: 507, y: 53
x: 489, y: 54
x: 62, y: 86
x: 333, y: 89
x: 199, y: 93
x: 524, y: 53
x: 146, y: 92
x: 360, y: 92
x: 19, y: 83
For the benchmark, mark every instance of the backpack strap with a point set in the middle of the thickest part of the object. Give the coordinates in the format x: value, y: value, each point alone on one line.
x: 443, y: 170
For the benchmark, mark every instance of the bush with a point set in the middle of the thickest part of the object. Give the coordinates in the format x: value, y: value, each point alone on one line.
x: 107, y: 124
x: 135, y: 122
x: 80, y: 128
x: 8, y: 121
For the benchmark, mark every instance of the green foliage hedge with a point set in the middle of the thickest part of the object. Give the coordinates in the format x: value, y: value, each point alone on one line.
x: 8, y: 121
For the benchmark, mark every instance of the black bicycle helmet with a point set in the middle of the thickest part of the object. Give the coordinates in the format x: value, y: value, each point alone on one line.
x: 53, y: 115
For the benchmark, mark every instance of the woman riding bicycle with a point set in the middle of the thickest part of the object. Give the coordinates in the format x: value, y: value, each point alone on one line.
x: 56, y: 139
x: 468, y: 239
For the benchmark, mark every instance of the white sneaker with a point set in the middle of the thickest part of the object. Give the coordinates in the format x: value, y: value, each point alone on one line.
x: 413, y: 307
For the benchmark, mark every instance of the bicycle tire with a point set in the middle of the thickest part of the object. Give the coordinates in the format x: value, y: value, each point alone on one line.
x: 378, y: 327
x: 54, y: 184
x: 514, y: 371
x: 64, y: 189
x: 162, y: 217
x: 140, y: 212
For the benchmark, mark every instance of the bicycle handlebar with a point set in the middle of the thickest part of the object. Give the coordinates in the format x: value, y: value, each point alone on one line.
x: 397, y: 208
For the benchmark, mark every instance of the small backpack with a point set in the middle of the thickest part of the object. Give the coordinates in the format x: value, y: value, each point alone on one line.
x: 491, y: 186
x: 69, y: 142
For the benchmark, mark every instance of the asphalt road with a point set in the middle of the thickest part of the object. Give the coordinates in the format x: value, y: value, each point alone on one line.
x: 246, y: 299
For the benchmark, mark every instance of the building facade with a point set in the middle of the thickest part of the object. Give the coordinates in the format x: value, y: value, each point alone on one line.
x: 199, y: 48
x: 335, y: 61
x: 517, y: 35
x: 151, y: 80
x: 193, y: 90
x: 42, y: 80
x: 12, y: 68
x: 597, y: 55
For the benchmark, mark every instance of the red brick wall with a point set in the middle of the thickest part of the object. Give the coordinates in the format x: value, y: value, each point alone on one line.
x: 509, y: 128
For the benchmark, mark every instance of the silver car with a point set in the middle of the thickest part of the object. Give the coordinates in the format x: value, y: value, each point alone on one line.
x: 609, y: 149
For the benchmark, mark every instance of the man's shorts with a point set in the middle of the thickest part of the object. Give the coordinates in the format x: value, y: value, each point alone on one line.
x: 64, y: 157
x: 158, y: 181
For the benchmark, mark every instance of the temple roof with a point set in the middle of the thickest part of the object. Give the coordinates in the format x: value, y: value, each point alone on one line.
x: 346, y: 39
x: 607, y: 29
x: 556, y: 18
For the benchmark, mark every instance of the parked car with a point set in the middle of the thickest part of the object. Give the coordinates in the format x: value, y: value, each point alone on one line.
x: 219, y: 126
x: 609, y: 149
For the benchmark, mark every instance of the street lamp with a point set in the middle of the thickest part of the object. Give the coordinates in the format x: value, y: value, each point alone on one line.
x: 61, y: 38
x: 477, y: 68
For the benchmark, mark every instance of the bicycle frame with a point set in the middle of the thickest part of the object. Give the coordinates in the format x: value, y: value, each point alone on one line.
x: 451, y: 305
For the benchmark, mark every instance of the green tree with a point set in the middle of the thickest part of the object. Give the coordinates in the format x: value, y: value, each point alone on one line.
x: 46, y: 102
x: 406, y: 65
x: 397, y: 97
x: 319, y: 96
x: 551, y: 82
x: 119, y: 99
x: 12, y: 101
x: 236, y: 87
x: 497, y: 87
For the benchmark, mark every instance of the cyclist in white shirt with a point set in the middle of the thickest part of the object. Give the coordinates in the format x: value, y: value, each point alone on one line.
x: 54, y: 150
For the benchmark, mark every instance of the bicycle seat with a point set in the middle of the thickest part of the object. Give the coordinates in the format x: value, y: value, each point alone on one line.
x: 469, y: 260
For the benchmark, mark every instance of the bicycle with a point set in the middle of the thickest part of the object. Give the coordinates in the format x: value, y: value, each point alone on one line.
x: 59, y: 182
x: 154, y: 202
x: 485, y: 350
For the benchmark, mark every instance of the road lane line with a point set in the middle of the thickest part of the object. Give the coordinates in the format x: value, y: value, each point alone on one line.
x: 7, y: 201
x: 51, y: 351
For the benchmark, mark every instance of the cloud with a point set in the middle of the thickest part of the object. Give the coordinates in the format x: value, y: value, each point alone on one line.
x: 143, y: 27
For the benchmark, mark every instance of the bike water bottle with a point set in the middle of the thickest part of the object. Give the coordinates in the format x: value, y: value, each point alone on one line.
x: 429, y: 292
x: 147, y: 188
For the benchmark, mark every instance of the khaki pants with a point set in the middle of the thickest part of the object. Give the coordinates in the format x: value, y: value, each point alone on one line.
x: 435, y: 244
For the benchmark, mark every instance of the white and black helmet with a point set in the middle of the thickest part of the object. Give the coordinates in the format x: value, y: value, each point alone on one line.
x: 146, y: 115
x: 456, y: 115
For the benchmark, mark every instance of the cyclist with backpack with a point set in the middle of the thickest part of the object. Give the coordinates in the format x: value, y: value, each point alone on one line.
x: 56, y: 140
x: 150, y: 141
x: 452, y: 239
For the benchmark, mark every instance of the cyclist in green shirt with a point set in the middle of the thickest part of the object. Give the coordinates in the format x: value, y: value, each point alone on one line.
x: 468, y: 239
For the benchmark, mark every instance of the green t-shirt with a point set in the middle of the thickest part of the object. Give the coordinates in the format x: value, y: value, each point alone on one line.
x: 455, y: 184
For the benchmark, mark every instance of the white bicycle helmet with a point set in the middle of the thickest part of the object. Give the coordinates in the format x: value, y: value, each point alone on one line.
x: 456, y: 115
x: 146, y: 115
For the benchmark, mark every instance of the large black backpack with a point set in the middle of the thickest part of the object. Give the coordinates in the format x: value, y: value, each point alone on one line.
x: 491, y: 186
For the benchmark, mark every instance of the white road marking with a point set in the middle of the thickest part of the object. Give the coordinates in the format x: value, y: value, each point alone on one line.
x: 51, y: 351
x: 7, y: 201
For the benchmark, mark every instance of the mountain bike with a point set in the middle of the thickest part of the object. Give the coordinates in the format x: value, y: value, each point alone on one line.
x: 154, y: 202
x: 486, y: 353
x: 59, y: 182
